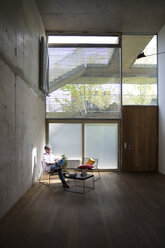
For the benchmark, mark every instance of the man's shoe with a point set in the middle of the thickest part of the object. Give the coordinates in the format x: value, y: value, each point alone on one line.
x: 65, y: 185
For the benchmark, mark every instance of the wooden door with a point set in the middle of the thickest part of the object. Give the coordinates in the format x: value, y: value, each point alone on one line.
x: 140, y: 138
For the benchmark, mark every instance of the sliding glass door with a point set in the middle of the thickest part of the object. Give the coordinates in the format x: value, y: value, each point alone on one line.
x: 101, y: 141
x: 78, y: 140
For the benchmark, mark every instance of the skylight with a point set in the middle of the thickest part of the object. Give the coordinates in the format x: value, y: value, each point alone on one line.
x: 104, y: 40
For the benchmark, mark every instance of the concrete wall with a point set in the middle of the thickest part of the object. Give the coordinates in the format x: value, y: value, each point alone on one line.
x: 161, y: 97
x: 22, y: 104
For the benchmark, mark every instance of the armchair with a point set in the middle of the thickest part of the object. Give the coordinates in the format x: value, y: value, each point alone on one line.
x: 90, y: 167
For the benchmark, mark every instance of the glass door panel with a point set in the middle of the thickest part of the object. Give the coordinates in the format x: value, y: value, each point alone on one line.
x: 66, y: 138
x: 101, y: 141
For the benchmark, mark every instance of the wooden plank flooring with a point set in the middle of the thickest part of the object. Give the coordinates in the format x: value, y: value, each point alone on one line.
x: 125, y: 210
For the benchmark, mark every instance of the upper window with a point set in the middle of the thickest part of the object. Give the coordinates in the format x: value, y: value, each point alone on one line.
x: 150, y: 58
x: 84, y: 78
x: 139, y: 76
x: 93, y: 40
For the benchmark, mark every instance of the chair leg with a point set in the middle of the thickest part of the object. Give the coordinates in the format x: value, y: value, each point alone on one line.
x: 96, y: 178
x: 45, y: 183
x: 98, y: 173
x: 40, y: 176
x: 49, y: 179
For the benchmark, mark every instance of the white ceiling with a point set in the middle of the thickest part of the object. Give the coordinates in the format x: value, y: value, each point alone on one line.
x: 99, y: 16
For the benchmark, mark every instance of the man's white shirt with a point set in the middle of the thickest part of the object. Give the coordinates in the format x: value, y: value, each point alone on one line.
x: 48, y: 158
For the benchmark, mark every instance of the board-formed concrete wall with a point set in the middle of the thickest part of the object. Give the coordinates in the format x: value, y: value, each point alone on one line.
x: 22, y: 104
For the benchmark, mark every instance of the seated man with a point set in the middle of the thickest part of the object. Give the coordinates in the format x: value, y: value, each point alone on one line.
x: 51, y: 164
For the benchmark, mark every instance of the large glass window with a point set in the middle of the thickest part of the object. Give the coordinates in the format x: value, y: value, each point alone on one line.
x: 84, y: 82
x: 139, y: 76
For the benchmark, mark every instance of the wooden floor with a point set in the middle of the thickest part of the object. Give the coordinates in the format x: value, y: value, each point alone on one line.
x: 125, y: 210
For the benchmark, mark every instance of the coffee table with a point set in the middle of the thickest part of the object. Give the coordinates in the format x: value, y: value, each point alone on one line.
x: 80, y: 188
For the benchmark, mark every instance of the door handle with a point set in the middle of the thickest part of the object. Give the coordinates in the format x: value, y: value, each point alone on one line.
x: 125, y: 145
x: 129, y: 147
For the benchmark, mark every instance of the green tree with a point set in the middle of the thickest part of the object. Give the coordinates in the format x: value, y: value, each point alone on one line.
x: 141, y: 94
x: 81, y: 94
